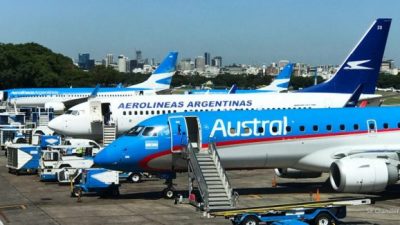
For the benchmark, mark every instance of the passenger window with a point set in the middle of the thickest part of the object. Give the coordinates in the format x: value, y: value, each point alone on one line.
x: 260, y: 130
x: 371, y: 126
x: 356, y: 127
x: 232, y: 131
x: 141, y: 112
x: 315, y: 128
x: 385, y: 125
x: 247, y: 130
x: 329, y: 127
x: 274, y: 129
x: 288, y: 128
x: 130, y: 113
x: 302, y: 128
x: 342, y: 127
x: 135, y: 112
x: 124, y: 113
x: 398, y: 125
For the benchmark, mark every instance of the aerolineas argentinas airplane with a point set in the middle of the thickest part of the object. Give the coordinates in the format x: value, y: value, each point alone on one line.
x: 85, y: 120
x: 61, y: 98
x: 358, y: 146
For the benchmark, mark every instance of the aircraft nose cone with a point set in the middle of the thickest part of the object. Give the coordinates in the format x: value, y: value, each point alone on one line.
x: 107, y: 158
x: 56, y: 124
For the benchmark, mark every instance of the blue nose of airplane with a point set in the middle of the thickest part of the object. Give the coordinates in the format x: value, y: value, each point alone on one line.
x: 108, y: 158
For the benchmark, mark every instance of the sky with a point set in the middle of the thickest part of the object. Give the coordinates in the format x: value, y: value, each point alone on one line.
x: 241, y: 31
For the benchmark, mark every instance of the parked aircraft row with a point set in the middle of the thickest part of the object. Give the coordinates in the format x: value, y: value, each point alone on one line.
x: 287, y: 131
x: 83, y: 119
x: 358, y: 146
x: 63, y: 98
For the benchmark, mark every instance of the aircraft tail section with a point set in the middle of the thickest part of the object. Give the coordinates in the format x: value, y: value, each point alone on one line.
x: 281, y: 82
x: 162, y: 76
x: 363, y: 64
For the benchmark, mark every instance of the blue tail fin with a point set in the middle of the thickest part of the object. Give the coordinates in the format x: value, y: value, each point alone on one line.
x: 233, y: 89
x: 281, y: 82
x: 162, y: 76
x: 363, y: 64
x: 168, y: 64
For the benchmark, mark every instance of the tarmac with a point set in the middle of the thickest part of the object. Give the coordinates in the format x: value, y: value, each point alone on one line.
x: 26, y: 200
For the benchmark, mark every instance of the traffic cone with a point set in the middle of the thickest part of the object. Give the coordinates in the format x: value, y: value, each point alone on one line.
x: 273, y: 183
x: 317, y: 196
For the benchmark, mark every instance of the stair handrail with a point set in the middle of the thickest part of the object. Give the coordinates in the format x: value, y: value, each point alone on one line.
x: 194, y: 164
x: 212, y: 149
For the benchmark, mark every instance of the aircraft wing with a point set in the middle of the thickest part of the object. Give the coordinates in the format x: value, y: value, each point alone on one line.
x: 68, y: 104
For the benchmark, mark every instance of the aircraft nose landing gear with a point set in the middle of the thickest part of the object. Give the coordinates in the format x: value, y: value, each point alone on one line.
x: 169, y: 191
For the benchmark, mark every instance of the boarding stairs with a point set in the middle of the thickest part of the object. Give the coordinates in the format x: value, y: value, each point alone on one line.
x: 43, y: 120
x: 205, y: 168
x: 109, y: 133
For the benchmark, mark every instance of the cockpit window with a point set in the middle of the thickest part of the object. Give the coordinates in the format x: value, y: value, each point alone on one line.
x: 72, y: 112
x: 151, y: 131
x: 135, y: 131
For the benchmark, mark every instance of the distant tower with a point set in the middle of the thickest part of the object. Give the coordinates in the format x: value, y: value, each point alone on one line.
x: 199, y: 63
x: 207, y: 58
x: 122, y: 64
x: 139, y: 56
x: 110, y: 59
x: 217, y: 61
x: 263, y: 69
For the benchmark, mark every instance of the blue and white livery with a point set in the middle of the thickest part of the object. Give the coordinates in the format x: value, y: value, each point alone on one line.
x: 61, y: 98
x: 358, y: 146
x: 128, y: 112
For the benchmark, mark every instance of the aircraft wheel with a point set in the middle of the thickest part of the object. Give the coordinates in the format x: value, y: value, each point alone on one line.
x: 135, y: 178
x: 323, y: 219
x: 250, y: 220
x: 169, y: 193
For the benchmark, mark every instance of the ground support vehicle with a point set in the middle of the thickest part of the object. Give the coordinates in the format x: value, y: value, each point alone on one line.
x: 98, y: 180
x: 53, y: 161
x: 320, y: 213
x: 23, y: 158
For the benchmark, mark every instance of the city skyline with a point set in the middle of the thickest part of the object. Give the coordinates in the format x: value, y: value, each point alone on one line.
x: 248, y: 32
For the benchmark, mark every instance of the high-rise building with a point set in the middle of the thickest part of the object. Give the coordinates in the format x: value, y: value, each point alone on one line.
x: 185, y: 64
x: 139, y: 56
x: 217, y: 61
x: 199, y: 63
x: 207, y: 58
x: 122, y: 63
x: 84, y: 61
x: 109, y: 59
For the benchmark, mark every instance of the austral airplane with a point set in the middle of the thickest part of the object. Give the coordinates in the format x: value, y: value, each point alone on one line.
x: 358, y: 146
x: 83, y: 120
x: 61, y: 98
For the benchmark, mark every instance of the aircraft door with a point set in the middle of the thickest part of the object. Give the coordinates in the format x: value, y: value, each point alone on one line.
x: 95, y: 111
x: 106, y: 112
x: 178, y: 129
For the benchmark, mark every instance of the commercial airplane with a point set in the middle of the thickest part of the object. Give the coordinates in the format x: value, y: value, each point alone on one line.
x: 358, y: 146
x: 281, y: 83
x: 82, y: 120
x: 61, y: 98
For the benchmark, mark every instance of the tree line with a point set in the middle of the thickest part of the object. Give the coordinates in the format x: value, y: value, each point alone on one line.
x: 33, y: 65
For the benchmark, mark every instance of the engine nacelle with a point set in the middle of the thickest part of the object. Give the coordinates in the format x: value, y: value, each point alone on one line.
x: 293, y: 173
x: 362, y: 175
x: 56, y: 106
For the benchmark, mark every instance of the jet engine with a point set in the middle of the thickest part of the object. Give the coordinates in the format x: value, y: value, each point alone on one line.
x: 362, y: 175
x: 293, y: 173
x: 57, y: 106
